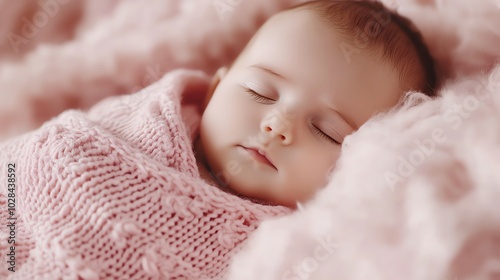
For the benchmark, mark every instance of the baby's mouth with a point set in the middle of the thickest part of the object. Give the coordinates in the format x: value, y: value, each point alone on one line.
x: 260, y: 155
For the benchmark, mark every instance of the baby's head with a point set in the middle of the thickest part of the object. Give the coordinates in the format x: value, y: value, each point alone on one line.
x: 309, y: 77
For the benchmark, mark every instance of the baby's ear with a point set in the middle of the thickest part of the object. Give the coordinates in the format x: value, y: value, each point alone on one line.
x: 218, y: 76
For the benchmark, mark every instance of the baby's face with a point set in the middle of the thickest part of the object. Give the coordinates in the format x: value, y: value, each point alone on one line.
x: 294, y: 95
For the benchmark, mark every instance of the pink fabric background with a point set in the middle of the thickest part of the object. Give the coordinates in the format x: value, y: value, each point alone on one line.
x: 439, y: 222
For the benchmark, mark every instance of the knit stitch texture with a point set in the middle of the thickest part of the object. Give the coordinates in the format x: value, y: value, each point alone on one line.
x: 115, y: 193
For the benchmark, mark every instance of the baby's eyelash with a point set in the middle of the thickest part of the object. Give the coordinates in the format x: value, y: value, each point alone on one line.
x: 258, y: 97
x: 325, y: 136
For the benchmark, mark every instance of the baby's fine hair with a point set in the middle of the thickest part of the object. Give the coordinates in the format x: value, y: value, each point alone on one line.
x: 370, y: 25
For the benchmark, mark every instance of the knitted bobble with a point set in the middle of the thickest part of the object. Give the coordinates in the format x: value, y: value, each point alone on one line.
x: 56, y: 129
x: 168, y: 202
x: 75, y: 263
x: 42, y: 137
x: 120, y: 242
x: 232, y: 232
x: 82, y: 269
x: 155, y: 198
x: 143, y: 172
x: 186, y: 214
x: 121, y: 231
x: 180, y: 205
x: 165, y: 249
x: 59, y: 251
x: 226, y: 240
x: 196, y: 207
x: 236, y: 226
x: 170, y: 261
x: 77, y: 168
x: 149, y: 263
x: 88, y: 274
x: 130, y: 228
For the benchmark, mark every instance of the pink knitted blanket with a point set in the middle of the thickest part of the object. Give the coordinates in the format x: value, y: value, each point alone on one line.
x: 115, y: 193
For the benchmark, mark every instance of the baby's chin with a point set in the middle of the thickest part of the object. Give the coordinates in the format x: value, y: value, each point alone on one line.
x: 242, y: 176
x: 259, y: 193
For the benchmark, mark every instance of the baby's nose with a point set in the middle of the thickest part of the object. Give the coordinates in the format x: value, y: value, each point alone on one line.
x: 278, y: 126
x: 284, y: 137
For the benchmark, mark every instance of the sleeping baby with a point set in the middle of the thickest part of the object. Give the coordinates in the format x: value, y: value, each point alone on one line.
x: 275, y: 121
x: 169, y: 182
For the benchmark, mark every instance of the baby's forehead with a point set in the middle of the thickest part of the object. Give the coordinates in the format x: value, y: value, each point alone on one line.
x: 360, y: 28
x: 307, y: 25
x: 279, y: 30
x: 301, y: 32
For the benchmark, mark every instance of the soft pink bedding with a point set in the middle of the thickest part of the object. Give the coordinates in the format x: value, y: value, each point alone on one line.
x: 416, y: 193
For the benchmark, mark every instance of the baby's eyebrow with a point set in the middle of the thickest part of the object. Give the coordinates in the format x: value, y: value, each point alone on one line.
x: 268, y: 70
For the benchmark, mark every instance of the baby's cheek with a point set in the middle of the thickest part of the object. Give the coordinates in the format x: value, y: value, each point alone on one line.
x: 320, y: 170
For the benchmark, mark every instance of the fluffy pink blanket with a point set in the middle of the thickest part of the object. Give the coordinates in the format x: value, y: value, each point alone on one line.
x: 416, y: 193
